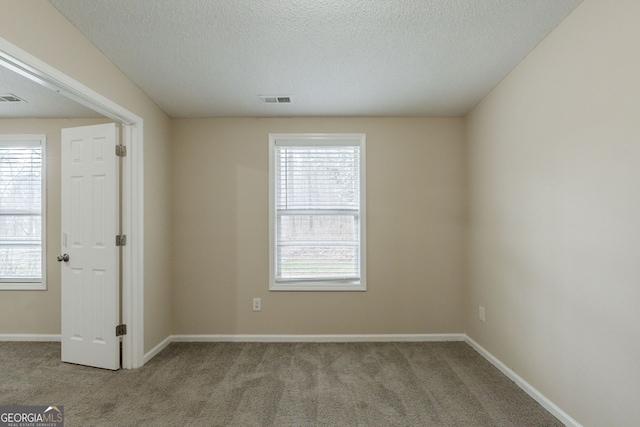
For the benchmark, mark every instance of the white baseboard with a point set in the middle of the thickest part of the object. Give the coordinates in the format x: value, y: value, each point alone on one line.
x: 320, y: 338
x: 30, y: 337
x: 157, y: 349
x: 528, y: 388
x: 300, y: 338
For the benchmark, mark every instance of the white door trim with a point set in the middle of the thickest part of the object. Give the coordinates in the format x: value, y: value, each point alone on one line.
x: 27, y: 65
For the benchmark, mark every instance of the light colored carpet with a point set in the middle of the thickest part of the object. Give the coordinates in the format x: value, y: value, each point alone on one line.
x: 257, y: 384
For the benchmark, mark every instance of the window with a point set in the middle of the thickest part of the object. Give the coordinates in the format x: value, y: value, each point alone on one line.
x: 22, y: 205
x: 317, y: 212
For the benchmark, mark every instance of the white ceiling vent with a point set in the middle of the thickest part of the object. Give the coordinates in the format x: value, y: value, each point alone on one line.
x: 275, y: 99
x: 9, y: 97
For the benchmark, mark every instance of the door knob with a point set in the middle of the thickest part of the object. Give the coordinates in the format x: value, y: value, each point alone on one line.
x: 64, y: 258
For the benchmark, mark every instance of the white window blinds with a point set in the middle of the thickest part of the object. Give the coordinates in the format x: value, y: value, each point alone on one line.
x: 318, y: 211
x: 21, y: 210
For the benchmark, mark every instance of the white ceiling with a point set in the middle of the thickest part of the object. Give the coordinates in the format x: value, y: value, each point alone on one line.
x: 206, y: 58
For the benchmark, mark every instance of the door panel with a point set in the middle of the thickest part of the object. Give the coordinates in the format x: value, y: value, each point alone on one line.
x: 90, y: 278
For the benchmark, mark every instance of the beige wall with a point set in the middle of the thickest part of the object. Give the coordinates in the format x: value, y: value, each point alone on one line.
x: 36, y: 27
x: 415, y: 217
x: 38, y: 312
x: 554, y: 176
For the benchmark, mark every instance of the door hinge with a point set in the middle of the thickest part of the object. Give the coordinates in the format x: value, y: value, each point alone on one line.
x: 121, y: 151
x: 121, y: 330
x: 121, y: 240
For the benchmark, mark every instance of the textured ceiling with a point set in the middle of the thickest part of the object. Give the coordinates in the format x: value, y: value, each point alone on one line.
x: 206, y: 58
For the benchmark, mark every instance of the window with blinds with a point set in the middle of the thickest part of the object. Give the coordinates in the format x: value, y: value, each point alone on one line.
x: 22, y: 219
x: 317, y: 212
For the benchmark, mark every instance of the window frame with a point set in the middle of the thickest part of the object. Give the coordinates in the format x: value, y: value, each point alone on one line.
x: 34, y: 284
x: 315, y: 139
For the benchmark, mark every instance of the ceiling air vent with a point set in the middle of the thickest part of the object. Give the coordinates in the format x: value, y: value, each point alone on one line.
x: 9, y: 97
x: 275, y: 99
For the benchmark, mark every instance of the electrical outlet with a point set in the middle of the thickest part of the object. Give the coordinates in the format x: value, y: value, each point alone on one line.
x: 481, y: 313
x: 257, y: 304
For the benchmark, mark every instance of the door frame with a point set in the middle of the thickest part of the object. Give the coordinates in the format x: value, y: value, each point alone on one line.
x: 27, y: 65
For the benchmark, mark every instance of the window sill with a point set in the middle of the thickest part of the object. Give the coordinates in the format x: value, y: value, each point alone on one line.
x: 23, y: 286
x: 318, y: 286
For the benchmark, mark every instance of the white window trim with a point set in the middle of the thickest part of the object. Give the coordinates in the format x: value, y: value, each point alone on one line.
x: 319, y: 285
x: 31, y: 284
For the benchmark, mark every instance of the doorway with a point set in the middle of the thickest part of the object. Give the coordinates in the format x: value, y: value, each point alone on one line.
x: 30, y: 67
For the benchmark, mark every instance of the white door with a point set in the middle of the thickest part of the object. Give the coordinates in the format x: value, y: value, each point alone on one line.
x: 90, y: 218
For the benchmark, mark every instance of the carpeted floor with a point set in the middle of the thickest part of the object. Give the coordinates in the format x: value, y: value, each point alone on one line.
x: 257, y: 384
